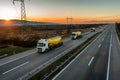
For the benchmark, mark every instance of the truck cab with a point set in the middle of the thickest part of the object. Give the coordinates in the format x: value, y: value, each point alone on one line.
x: 92, y: 29
x: 74, y: 35
x: 42, y: 45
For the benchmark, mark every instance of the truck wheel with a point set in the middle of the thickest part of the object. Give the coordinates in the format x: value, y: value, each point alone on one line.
x: 61, y: 43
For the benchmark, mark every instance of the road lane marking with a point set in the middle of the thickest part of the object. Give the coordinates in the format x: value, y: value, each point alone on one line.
x: 99, y: 46
x: 108, y: 68
x: 90, y: 61
x: 103, y: 39
x: 16, y: 59
x: 16, y: 67
x: 77, y: 57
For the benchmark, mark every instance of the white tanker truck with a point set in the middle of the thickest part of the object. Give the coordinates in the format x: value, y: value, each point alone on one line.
x: 44, y: 45
x: 76, y: 35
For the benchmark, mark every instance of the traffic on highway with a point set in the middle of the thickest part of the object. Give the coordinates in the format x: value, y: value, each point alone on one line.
x: 97, y: 61
x: 59, y: 40
x: 16, y: 66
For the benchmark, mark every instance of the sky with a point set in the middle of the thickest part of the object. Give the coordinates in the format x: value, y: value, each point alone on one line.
x: 59, y: 10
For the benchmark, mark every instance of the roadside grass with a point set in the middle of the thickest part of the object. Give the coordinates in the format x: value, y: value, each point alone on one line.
x: 12, y: 50
x: 118, y: 29
x: 118, y: 35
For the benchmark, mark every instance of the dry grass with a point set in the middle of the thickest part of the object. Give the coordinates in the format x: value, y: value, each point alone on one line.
x: 29, y: 38
x: 118, y: 29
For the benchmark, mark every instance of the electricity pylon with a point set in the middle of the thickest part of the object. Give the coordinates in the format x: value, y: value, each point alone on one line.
x: 23, y: 11
x: 69, y: 28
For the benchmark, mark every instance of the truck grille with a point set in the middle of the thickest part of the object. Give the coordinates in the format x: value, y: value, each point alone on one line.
x: 39, y: 50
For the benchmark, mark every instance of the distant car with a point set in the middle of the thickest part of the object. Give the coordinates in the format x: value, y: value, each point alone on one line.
x: 92, y: 29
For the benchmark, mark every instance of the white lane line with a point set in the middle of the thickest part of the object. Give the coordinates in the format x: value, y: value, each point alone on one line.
x: 108, y: 68
x: 99, y: 46
x: 103, y: 39
x: 76, y: 57
x: 16, y: 67
x: 90, y: 61
x: 16, y: 59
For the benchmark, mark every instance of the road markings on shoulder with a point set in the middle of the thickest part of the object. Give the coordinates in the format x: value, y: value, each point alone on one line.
x: 16, y: 67
x: 99, y: 46
x: 90, y: 61
x: 102, y: 39
x: 16, y: 59
x: 108, y: 67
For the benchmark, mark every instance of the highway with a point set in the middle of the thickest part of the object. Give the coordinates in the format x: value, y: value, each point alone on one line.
x: 115, y: 57
x: 98, y: 61
x: 16, y: 66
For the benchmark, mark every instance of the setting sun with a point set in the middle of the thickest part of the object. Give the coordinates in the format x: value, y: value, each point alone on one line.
x: 7, y: 14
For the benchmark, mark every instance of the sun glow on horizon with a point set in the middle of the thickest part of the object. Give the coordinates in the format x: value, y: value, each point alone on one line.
x: 7, y: 14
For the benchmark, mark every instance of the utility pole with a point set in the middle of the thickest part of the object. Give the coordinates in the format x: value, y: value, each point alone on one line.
x: 69, y: 28
x: 71, y: 22
x: 23, y: 11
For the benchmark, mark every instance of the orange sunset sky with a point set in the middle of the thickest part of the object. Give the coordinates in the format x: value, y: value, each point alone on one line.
x: 59, y: 10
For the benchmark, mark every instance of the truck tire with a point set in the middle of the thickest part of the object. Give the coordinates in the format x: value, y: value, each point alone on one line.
x: 61, y: 44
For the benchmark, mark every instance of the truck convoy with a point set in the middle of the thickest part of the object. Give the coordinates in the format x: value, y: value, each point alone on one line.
x: 76, y: 35
x: 44, y: 45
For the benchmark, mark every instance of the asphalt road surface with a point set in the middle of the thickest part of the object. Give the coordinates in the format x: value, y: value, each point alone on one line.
x: 98, y: 61
x: 16, y: 66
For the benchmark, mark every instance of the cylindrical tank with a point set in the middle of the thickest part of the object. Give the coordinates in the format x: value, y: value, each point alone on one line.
x: 54, y: 41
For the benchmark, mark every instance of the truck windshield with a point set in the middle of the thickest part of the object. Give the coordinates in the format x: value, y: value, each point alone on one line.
x: 73, y: 34
x: 41, y: 44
